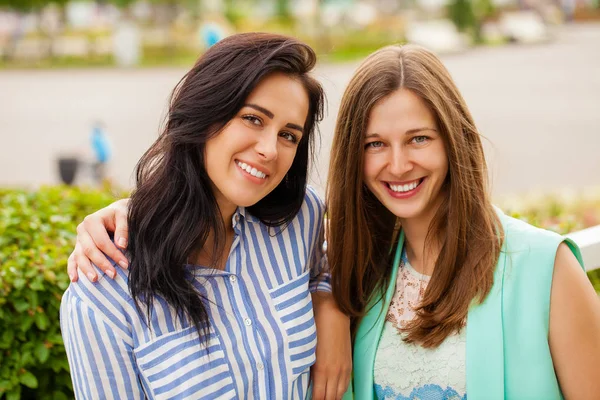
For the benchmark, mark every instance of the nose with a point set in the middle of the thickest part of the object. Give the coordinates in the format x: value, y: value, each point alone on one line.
x: 400, y: 162
x: 266, y: 146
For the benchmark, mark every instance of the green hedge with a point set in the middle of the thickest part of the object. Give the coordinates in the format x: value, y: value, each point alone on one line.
x: 37, y: 233
x: 562, y: 213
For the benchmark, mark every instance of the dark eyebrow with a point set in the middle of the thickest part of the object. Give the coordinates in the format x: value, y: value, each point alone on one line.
x: 261, y: 109
x: 296, y: 127
x: 271, y: 115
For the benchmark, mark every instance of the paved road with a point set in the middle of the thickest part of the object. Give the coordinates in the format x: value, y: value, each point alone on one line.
x: 539, y: 107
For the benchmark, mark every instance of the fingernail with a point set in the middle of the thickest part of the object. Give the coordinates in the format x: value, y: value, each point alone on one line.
x: 110, y: 273
x: 121, y: 242
x: 123, y: 264
x: 91, y: 276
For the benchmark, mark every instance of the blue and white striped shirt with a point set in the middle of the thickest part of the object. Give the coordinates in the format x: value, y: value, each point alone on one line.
x: 261, y: 341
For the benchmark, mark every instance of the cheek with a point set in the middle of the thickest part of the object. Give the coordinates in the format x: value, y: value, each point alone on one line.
x: 441, y: 165
x: 370, y: 167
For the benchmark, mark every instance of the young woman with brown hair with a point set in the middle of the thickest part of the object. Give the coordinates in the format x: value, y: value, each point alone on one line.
x: 448, y: 296
x: 225, y: 245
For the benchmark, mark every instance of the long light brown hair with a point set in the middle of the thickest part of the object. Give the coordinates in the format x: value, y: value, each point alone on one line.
x: 363, y: 231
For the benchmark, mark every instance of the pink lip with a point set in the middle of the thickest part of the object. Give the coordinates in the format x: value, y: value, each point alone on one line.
x: 404, y: 195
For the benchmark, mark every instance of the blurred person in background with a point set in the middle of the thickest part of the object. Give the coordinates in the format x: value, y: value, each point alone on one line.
x: 448, y: 296
x: 224, y: 246
x: 102, y: 150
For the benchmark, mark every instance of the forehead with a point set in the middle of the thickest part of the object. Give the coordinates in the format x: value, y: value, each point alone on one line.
x: 283, y: 95
x: 399, y: 112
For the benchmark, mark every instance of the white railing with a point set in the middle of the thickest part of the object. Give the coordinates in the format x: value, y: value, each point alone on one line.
x: 588, y: 241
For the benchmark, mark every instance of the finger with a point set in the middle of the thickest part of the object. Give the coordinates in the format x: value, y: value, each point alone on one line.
x: 84, y: 264
x: 121, y: 230
x: 343, y: 384
x: 72, y: 268
x: 319, y: 385
x: 96, y: 229
x: 93, y: 254
x: 332, y: 387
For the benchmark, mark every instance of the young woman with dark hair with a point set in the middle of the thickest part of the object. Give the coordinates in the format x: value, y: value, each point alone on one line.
x: 225, y: 244
x: 448, y: 296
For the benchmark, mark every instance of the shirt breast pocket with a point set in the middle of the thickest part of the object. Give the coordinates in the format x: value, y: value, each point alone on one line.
x: 176, y: 365
x: 294, y: 307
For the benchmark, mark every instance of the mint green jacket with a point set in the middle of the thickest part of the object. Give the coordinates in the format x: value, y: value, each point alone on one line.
x: 508, y: 356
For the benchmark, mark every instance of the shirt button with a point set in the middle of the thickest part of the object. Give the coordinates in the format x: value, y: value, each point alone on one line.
x: 260, y: 366
x: 247, y: 321
x: 233, y: 279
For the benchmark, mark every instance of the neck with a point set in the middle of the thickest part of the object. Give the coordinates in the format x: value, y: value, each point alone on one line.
x: 204, y: 256
x: 421, y: 254
x: 227, y: 211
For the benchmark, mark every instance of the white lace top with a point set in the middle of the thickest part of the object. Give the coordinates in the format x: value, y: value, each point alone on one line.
x: 406, y: 371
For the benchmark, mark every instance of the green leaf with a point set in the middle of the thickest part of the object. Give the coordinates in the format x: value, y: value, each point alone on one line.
x: 7, y: 338
x: 29, y: 380
x: 14, y: 394
x: 19, y: 283
x: 21, y: 305
x: 26, y: 324
x: 26, y: 357
x: 38, y: 286
x: 42, y: 352
x: 41, y: 320
x: 59, y: 396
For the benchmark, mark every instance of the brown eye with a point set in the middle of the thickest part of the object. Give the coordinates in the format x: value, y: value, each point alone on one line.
x: 253, y: 119
x: 290, y: 137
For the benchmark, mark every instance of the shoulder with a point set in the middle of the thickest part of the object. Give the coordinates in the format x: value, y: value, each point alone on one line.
x: 536, y: 251
x: 522, y: 236
x: 107, y: 298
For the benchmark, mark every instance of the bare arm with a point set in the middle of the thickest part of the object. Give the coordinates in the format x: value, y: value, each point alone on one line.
x: 332, y: 370
x: 574, y: 328
x: 93, y: 242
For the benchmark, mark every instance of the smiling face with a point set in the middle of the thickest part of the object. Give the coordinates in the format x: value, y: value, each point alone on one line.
x: 405, y: 162
x: 255, y: 150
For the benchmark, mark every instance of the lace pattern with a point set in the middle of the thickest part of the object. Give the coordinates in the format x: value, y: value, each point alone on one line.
x: 409, y: 371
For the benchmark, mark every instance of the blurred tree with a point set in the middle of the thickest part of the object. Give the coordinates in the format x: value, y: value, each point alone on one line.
x: 282, y: 9
x: 469, y: 15
x: 232, y: 12
x: 461, y: 13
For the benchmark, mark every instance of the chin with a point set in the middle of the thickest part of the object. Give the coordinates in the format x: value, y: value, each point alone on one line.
x: 246, y: 200
x: 406, y: 212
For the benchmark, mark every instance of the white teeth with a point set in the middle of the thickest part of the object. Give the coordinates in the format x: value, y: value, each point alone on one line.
x: 251, y: 170
x: 404, y: 188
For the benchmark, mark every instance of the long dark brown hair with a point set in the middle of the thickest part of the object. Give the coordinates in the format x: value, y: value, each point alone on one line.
x: 173, y: 210
x: 465, y: 224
